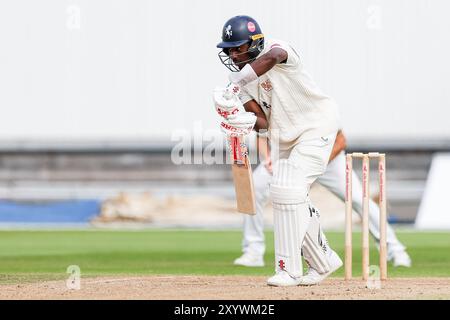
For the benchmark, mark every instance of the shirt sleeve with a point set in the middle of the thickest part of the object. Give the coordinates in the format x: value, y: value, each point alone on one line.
x: 293, y: 59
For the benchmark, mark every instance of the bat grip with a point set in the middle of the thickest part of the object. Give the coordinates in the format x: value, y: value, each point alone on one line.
x: 236, y: 149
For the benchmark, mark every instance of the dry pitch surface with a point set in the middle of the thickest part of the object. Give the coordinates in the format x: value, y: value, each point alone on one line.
x: 225, y: 287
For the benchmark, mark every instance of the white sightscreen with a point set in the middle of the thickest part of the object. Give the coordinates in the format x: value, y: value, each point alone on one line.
x: 129, y: 69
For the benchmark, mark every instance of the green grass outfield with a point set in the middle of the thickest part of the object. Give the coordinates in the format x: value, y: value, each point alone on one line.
x: 27, y: 256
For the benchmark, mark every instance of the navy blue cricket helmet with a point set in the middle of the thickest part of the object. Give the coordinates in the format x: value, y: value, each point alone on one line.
x: 237, y: 31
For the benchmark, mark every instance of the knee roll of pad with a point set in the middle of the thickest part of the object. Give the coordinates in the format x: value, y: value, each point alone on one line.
x: 288, y: 184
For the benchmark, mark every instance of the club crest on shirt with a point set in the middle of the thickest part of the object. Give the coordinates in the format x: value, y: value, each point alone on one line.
x: 267, y: 85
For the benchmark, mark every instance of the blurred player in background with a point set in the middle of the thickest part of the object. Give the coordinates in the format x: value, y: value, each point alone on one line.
x: 253, y: 244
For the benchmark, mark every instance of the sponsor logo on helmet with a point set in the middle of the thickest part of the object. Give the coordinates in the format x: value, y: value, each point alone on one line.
x: 251, y: 26
x: 257, y: 36
x: 228, y: 32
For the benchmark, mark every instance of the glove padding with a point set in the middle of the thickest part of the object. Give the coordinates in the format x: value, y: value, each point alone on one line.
x: 226, y: 101
x: 240, y: 123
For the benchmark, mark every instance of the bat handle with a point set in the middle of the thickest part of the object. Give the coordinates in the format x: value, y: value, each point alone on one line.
x: 236, y: 150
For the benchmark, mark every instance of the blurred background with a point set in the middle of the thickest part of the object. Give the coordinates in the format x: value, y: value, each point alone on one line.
x: 95, y: 95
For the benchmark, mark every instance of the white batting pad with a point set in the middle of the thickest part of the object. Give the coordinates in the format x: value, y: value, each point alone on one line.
x: 315, y: 246
x: 291, y: 216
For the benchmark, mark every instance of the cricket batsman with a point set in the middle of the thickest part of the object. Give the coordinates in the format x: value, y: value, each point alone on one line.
x: 268, y: 78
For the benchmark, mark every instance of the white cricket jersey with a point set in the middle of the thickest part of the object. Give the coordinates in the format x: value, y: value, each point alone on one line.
x: 291, y: 100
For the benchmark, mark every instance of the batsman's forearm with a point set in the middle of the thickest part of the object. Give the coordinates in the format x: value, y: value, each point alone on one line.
x: 339, y: 145
x: 261, y: 124
x: 263, y: 64
x: 334, y: 153
x: 268, y: 60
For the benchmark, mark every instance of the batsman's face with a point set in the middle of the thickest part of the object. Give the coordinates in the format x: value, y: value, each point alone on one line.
x: 240, y: 55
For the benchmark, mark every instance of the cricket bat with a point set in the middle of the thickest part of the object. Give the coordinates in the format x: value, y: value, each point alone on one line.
x: 242, y: 175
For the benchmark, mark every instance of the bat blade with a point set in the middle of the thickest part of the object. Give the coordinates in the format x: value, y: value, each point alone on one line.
x: 243, y: 184
x: 242, y: 177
